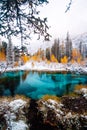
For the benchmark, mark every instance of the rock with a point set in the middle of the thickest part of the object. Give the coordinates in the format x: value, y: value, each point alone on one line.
x: 69, y: 113
x: 12, y: 116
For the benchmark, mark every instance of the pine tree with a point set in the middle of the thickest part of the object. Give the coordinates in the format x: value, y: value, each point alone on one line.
x: 61, y: 51
x: 48, y: 53
x: 68, y: 45
x: 55, y: 49
x: 21, y: 17
x: 10, y: 53
x: 84, y: 53
x: 80, y: 47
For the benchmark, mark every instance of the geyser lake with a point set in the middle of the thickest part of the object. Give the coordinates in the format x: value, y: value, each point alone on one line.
x: 37, y: 84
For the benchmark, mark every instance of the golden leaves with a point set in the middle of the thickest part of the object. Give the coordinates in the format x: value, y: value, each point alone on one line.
x: 64, y: 60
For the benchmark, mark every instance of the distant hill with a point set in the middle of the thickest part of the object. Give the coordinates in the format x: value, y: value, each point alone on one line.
x: 43, y: 45
x: 79, y: 38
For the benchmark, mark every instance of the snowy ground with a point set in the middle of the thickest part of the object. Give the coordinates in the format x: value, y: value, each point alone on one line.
x: 14, y: 110
x: 51, y: 67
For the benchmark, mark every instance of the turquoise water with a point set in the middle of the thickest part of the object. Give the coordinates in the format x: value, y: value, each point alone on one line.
x: 35, y: 85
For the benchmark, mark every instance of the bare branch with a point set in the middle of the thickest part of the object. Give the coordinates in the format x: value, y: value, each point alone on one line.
x: 20, y: 16
x: 68, y: 7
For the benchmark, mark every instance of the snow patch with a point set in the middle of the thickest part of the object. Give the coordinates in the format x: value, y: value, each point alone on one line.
x: 19, y: 125
x: 82, y: 91
x: 16, y: 104
x: 44, y: 66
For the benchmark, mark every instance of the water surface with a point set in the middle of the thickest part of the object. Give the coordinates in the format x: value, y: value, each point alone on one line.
x: 35, y: 85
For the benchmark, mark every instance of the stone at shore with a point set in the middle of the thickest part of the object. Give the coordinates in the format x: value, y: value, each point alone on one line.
x: 66, y: 113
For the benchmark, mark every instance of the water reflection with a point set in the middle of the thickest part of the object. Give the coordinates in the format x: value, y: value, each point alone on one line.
x: 9, y: 82
x: 36, y: 85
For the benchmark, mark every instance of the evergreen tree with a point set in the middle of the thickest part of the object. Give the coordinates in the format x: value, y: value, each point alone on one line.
x: 55, y: 49
x: 80, y: 47
x: 48, y: 53
x: 68, y: 45
x: 61, y: 51
x: 21, y: 17
x: 16, y: 54
x: 84, y: 53
x: 4, y: 44
x: 10, y: 53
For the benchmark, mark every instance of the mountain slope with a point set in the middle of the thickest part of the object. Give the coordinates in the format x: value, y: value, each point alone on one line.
x: 80, y: 38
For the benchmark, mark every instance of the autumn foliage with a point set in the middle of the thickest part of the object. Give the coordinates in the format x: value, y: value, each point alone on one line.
x: 53, y: 58
x: 16, y: 64
x: 78, y: 87
x: 24, y: 58
x: 64, y: 60
x: 53, y: 97
x: 57, y: 54
x: 2, y: 56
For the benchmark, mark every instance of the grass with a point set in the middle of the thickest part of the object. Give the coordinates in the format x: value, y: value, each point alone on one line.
x: 46, y: 97
x: 78, y: 87
x: 10, y: 98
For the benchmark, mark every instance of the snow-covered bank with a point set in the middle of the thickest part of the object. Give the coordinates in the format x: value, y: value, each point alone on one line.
x: 48, y: 67
x: 43, y: 66
x: 52, y: 67
x: 53, y: 113
x: 12, y: 114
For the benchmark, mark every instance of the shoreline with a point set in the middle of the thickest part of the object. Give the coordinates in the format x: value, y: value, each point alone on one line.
x: 67, y: 112
x: 52, y: 68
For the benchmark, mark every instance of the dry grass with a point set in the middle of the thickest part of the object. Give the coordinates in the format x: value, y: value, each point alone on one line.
x: 7, y: 99
x: 46, y: 97
x: 72, y: 94
x: 78, y: 87
x: 22, y: 97
x: 10, y: 98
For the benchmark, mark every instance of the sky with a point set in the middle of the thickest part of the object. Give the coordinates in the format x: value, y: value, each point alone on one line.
x: 74, y: 21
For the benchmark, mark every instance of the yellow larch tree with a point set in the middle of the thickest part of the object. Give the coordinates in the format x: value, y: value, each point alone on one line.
x: 76, y: 56
x: 2, y: 55
x: 53, y: 58
x: 64, y: 60
x: 24, y: 58
x: 34, y: 58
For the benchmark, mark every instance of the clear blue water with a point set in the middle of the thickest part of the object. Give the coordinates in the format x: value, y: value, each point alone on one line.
x: 35, y: 85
